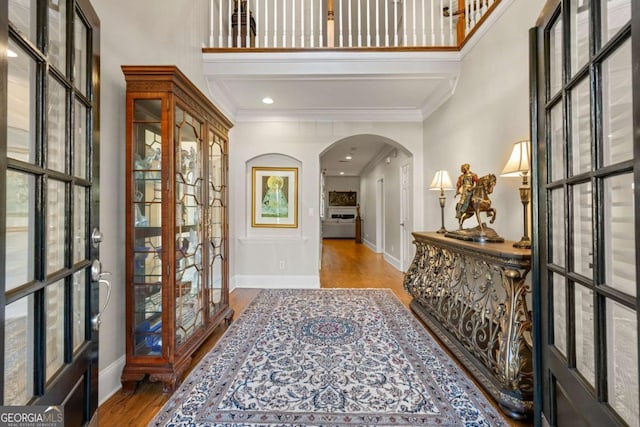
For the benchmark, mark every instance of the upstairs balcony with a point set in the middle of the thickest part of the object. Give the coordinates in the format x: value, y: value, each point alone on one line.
x: 339, y: 59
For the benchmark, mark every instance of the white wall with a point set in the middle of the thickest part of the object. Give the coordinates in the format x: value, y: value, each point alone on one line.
x: 133, y: 33
x: 387, y: 169
x: 341, y: 183
x: 255, y: 259
x: 487, y: 114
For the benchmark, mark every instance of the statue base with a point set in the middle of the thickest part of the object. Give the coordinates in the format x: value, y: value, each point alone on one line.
x: 476, y: 234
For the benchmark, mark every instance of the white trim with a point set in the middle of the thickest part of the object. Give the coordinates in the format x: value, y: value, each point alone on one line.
x: 369, y: 244
x: 393, y: 261
x: 275, y: 282
x: 486, y: 26
x: 350, y: 115
x: 268, y: 240
x: 109, y: 379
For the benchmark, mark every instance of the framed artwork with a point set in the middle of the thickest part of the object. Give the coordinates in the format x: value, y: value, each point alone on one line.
x: 343, y: 198
x: 274, y: 197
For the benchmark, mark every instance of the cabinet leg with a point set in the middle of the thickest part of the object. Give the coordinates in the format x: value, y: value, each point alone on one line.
x: 130, y: 382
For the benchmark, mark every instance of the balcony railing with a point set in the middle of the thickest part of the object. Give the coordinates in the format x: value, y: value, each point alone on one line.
x: 314, y: 24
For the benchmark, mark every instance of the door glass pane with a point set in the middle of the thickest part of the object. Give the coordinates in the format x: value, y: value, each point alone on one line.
x: 555, y: 57
x: 79, y: 223
x: 617, y: 112
x: 22, y: 14
x: 80, y: 142
x: 557, y: 217
x: 619, y: 234
x: 54, y: 315
x: 622, y: 358
x: 55, y: 226
x: 614, y: 13
x: 56, y: 126
x: 19, y: 329
x: 556, y: 151
x: 585, y: 337
x: 79, y: 304
x: 21, y: 113
x: 581, y: 128
x: 20, y: 237
x: 579, y: 10
x: 57, y: 34
x: 80, y: 55
x: 559, y: 314
x: 582, y: 230
x: 189, y: 210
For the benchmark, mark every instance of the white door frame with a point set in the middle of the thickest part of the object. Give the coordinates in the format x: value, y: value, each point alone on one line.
x: 405, y: 217
x: 380, y: 215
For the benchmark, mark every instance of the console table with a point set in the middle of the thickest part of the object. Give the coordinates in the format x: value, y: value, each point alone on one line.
x: 473, y: 297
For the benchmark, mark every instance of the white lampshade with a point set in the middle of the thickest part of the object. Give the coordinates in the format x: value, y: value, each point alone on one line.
x: 518, y: 163
x: 441, y: 181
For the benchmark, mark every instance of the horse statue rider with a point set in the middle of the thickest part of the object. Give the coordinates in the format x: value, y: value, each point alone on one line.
x: 464, y: 188
x: 474, y: 198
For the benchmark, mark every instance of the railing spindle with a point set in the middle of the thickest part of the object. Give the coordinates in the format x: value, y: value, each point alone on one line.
x: 284, y: 23
x: 433, y: 28
x: 359, y: 23
x: 441, y: 23
x: 368, y: 23
x: 424, y: 30
x: 395, y: 24
x: 340, y: 40
x: 320, y: 18
x: 404, y: 23
x: 386, y: 23
x: 248, y: 27
x: 377, y: 22
x: 350, y: 23
x: 415, y: 34
x: 275, y: 24
x: 451, y: 41
x: 229, y: 42
x: 293, y: 23
x: 257, y: 19
x: 302, y: 15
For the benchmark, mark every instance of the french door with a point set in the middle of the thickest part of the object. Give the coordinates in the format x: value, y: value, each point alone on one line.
x: 49, y: 206
x: 586, y: 128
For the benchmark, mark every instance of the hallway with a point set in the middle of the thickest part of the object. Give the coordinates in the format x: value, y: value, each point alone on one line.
x: 345, y: 264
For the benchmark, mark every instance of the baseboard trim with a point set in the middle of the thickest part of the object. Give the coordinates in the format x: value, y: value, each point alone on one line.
x: 369, y: 244
x: 276, y: 282
x: 109, y: 379
x: 395, y: 262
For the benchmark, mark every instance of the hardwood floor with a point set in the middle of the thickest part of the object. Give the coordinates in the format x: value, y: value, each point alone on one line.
x: 345, y: 264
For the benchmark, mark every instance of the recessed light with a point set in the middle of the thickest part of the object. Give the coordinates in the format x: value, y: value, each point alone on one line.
x: 348, y: 157
x: 11, y: 54
x: 341, y: 173
x: 267, y: 100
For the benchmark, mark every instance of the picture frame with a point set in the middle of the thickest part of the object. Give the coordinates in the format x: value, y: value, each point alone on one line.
x: 274, y: 197
x: 343, y: 198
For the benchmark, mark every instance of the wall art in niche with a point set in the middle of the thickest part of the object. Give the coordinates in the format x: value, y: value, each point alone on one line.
x: 274, y: 197
x: 343, y: 198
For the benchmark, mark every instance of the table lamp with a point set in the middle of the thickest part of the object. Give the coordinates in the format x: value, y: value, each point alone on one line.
x: 519, y: 165
x: 442, y: 182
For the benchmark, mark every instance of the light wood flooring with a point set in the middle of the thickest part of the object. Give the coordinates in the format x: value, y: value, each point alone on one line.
x: 345, y: 264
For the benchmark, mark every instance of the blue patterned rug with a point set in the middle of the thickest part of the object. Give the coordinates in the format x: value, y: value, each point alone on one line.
x: 327, y: 357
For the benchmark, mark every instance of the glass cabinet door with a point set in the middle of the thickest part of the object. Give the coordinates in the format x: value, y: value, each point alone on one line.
x: 147, y: 220
x: 216, y: 221
x: 189, y: 228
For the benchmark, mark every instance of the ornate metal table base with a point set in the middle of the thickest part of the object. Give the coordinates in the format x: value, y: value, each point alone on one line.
x: 473, y: 297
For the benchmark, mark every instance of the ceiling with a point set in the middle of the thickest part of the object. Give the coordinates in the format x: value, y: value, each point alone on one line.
x: 333, y: 86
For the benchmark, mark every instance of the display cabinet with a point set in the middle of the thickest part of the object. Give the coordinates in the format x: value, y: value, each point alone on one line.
x: 176, y: 228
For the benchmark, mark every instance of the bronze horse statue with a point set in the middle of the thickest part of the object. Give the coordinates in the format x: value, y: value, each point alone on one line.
x: 479, y: 201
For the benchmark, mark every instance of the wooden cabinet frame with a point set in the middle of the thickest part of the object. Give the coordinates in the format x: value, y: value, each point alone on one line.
x: 175, y: 182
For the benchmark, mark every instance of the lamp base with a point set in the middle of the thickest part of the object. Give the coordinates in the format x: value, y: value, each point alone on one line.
x: 442, y: 230
x: 524, y: 243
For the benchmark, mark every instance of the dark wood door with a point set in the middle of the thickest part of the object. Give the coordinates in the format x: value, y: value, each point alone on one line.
x: 49, y: 202
x: 585, y: 125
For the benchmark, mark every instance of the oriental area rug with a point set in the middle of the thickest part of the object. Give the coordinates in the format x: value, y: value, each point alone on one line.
x: 327, y: 357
